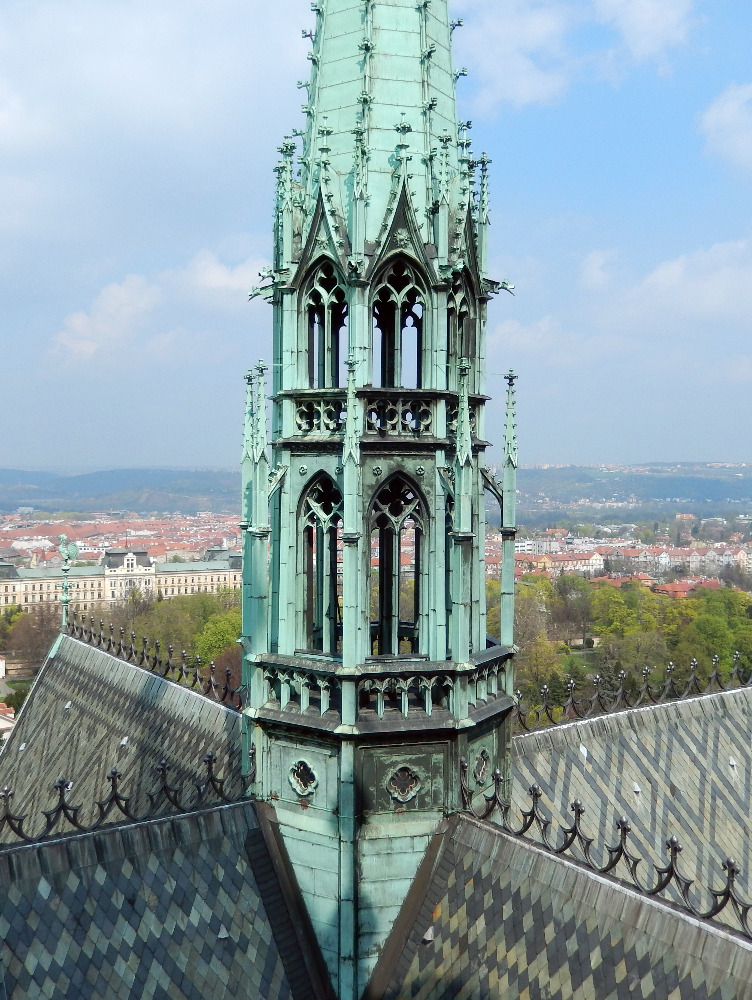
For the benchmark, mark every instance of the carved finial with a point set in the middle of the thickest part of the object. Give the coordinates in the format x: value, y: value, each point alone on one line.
x: 483, y: 203
x: 351, y: 438
x: 402, y: 126
x: 510, y: 435
x: 361, y: 173
x: 464, y: 445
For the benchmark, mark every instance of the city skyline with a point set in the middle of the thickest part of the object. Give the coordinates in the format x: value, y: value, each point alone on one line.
x: 136, y: 142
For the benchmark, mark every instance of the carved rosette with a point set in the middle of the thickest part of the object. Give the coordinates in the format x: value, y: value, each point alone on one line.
x: 481, y: 766
x: 403, y: 784
x: 303, y: 778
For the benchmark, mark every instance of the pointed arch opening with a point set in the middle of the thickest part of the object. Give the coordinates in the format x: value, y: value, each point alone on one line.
x: 326, y: 317
x: 320, y: 521
x: 398, y: 525
x: 398, y: 315
x: 461, y: 331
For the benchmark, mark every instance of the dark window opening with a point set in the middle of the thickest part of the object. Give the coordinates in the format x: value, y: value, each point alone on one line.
x: 322, y: 567
x: 398, y: 309
x: 461, y: 336
x: 397, y: 526
x: 327, y: 331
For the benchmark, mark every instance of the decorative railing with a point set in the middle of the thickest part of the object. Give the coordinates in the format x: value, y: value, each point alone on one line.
x: 188, y: 671
x: 402, y: 416
x: 204, y: 790
x: 601, y: 702
x: 616, y: 860
x: 486, y: 683
x: 320, y: 414
x: 425, y: 692
x: 453, y: 415
x: 405, y: 695
x: 302, y: 691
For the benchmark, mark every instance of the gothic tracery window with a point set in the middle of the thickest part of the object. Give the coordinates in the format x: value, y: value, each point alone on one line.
x: 397, y: 532
x: 461, y: 330
x: 326, y: 319
x: 321, y: 521
x: 398, y: 312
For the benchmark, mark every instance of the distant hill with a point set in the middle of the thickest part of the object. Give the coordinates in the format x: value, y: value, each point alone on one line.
x: 693, y: 483
x: 137, y: 490
x: 705, y: 486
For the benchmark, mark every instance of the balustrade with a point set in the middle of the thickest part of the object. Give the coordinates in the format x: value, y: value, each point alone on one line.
x: 405, y: 694
x: 406, y: 417
x: 320, y: 414
x: 453, y: 414
x: 301, y: 691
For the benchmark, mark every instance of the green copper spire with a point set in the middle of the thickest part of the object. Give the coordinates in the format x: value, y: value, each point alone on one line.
x: 509, y: 514
x: 382, y: 96
x: 68, y: 552
x: 367, y: 666
x: 255, y: 514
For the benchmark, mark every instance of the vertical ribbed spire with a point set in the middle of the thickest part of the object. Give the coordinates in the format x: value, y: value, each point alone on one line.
x: 246, y: 463
x: 510, y: 434
x: 509, y: 515
x: 374, y: 65
x: 351, y: 438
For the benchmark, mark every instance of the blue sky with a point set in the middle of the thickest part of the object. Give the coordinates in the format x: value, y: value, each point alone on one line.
x: 137, y: 141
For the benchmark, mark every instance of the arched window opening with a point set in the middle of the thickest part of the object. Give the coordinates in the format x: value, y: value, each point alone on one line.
x: 398, y: 310
x: 326, y: 317
x: 460, y: 331
x: 321, y: 518
x: 397, y: 531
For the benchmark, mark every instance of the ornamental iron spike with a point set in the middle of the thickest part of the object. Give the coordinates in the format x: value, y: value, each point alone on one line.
x: 582, y: 849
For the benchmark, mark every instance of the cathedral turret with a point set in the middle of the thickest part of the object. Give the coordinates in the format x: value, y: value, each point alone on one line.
x: 367, y: 664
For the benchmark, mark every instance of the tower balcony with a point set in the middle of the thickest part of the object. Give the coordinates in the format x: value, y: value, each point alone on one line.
x: 395, y: 414
x: 390, y: 694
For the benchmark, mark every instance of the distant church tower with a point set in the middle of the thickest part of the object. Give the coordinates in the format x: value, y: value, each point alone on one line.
x: 367, y: 667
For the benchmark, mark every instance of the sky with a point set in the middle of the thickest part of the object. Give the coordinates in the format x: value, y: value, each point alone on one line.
x: 137, y: 144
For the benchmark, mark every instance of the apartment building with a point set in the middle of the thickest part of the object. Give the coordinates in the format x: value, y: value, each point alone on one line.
x: 121, y: 572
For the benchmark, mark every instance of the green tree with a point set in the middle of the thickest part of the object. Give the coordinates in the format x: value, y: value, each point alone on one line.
x: 19, y: 691
x: 532, y: 616
x: 220, y: 632
x: 8, y: 616
x: 612, y: 617
x: 535, y: 664
x: 30, y: 636
x: 573, y: 609
x: 493, y: 607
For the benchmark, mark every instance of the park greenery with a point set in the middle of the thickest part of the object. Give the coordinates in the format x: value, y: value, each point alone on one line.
x: 565, y: 629
x: 204, y: 625
x: 572, y: 628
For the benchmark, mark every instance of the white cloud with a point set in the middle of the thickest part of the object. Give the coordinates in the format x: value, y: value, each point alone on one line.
x: 553, y: 343
x: 516, y: 49
x: 647, y: 27
x: 727, y: 125
x: 594, y: 270
x: 116, y: 316
x: 154, y: 314
x: 524, y: 52
x: 20, y: 127
x: 206, y: 274
x: 703, y: 296
x: 687, y: 320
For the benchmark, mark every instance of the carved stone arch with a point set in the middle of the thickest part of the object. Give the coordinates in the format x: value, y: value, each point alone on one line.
x: 398, y: 310
x: 320, y: 511
x: 398, y: 523
x: 324, y: 316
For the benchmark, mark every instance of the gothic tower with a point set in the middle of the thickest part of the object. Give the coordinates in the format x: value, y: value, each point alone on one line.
x: 367, y: 668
